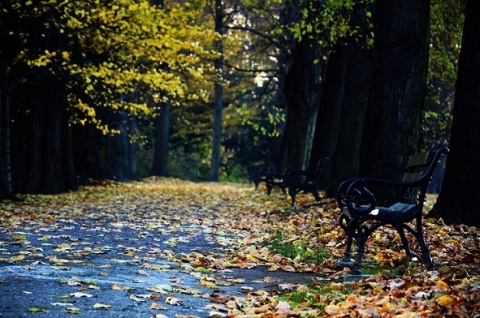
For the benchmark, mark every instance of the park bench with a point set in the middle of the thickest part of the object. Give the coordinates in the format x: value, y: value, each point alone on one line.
x: 369, y: 203
x: 306, y: 181
x: 270, y: 177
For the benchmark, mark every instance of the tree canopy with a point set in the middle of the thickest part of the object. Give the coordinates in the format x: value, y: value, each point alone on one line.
x: 291, y: 76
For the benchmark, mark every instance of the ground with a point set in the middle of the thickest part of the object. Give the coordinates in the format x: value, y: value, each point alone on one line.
x: 169, y: 248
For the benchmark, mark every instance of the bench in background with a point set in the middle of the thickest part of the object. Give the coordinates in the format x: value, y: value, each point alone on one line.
x: 270, y: 177
x: 306, y: 181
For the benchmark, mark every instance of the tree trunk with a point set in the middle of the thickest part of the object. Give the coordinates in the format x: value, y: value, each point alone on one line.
x: 121, y: 152
x: 391, y: 130
x: 160, y: 155
x: 7, y: 53
x: 358, y: 77
x: 459, y: 201
x: 302, y: 91
x: 328, y: 117
x: 41, y: 153
x: 218, y: 102
x: 100, y: 157
x: 6, y: 166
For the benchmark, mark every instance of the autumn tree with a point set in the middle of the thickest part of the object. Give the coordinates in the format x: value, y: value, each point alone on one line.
x: 109, y: 58
x: 458, y: 201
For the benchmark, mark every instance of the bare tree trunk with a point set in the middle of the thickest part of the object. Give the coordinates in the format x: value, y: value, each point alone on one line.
x: 458, y: 201
x: 358, y: 77
x: 6, y: 168
x: 392, y: 126
x: 160, y: 155
x: 302, y: 91
x: 329, y: 113
x: 218, y: 102
x: 42, y: 159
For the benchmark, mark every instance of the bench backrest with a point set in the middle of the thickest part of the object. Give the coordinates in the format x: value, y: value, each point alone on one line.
x: 417, y: 164
x: 422, y: 165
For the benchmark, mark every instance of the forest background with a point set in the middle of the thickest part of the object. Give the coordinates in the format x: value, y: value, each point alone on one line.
x: 213, y: 90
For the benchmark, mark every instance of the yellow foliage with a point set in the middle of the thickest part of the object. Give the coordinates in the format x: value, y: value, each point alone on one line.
x: 144, y: 51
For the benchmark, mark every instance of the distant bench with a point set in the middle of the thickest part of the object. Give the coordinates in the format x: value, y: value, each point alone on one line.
x: 270, y: 177
x: 307, y: 181
x: 294, y: 182
x: 364, y: 205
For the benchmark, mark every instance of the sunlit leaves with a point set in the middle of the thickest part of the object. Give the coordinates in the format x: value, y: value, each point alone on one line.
x: 118, y: 51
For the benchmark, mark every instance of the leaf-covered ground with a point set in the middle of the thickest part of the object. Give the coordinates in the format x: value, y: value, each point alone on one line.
x: 209, y: 230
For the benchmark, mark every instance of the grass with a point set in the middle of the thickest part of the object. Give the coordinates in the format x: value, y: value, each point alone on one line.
x: 316, y: 296
x: 295, y: 249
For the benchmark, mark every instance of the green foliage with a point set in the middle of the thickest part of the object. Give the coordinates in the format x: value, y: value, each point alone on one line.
x: 446, y: 26
x: 315, y: 296
x: 237, y: 174
x: 371, y: 268
x: 296, y: 250
x: 330, y: 22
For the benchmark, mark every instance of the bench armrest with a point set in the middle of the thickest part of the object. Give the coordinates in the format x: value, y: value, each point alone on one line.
x: 359, y: 197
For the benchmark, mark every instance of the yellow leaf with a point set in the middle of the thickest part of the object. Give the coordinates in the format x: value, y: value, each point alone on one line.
x: 445, y: 301
x: 66, y: 55
x: 17, y: 258
x: 441, y: 283
x: 18, y: 237
x: 336, y: 286
x: 157, y: 306
x: 73, y: 310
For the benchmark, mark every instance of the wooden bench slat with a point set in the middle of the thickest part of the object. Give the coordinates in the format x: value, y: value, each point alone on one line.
x: 418, y: 160
x: 412, y: 176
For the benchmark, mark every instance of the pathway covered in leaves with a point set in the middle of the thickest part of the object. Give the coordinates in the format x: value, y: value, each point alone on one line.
x: 169, y: 248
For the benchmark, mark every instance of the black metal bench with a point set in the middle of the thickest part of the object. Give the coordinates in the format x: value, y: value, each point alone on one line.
x: 270, y: 177
x: 306, y: 181
x: 368, y: 203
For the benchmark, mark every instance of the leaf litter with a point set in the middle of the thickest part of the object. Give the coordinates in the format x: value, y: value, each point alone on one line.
x: 210, y: 230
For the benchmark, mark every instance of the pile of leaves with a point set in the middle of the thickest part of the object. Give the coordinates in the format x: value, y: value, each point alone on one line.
x: 247, y: 229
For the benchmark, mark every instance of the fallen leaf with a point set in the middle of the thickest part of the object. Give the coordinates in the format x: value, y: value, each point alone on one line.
x: 73, y: 310
x: 173, y: 301
x: 101, y: 306
x: 36, y: 309
x: 80, y: 295
x: 445, y: 300
x: 157, y: 306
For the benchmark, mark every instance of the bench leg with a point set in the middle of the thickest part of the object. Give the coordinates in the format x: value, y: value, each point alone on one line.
x: 293, y: 194
x: 347, y: 260
x: 361, y: 241
x: 269, y: 189
x: 427, y: 258
x: 405, y: 244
